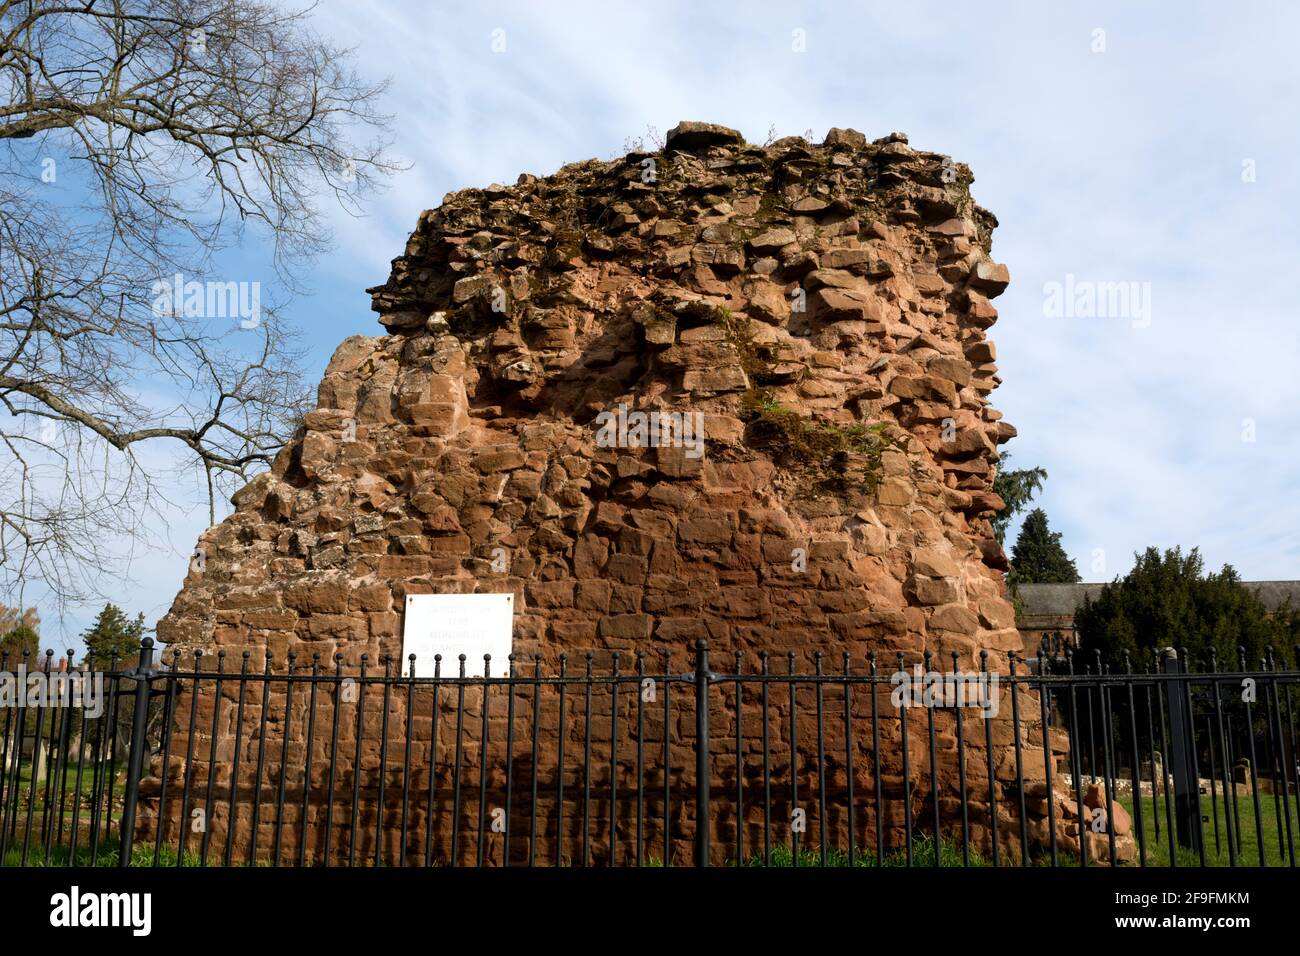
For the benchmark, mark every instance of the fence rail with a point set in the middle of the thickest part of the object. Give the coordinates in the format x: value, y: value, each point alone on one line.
x: 649, y: 759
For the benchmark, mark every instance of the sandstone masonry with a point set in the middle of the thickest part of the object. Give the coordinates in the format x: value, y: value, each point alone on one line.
x: 824, y: 307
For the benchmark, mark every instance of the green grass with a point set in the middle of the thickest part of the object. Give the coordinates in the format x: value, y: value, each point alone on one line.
x: 141, y: 856
x: 1157, y: 852
x: 1247, y: 852
x: 68, y: 780
x: 107, y: 856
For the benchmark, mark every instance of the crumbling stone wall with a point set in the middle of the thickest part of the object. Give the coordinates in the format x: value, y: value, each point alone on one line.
x: 823, y: 306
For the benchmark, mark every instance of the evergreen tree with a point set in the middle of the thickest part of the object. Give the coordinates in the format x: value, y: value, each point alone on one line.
x: 19, y: 631
x: 21, y: 638
x: 113, y: 638
x: 1038, y: 557
x: 1168, y: 601
x: 1016, y: 488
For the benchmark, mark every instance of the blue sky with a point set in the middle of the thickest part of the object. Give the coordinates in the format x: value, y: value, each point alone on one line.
x: 1120, y: 156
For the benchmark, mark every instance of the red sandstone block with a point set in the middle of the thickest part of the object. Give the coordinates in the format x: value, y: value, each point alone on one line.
x: 627, y: 626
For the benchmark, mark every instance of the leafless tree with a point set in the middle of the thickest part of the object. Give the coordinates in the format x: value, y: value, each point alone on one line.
x: 138, y: 141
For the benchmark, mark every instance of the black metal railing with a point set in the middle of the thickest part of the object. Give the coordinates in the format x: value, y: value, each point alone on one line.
x: 649, y: 759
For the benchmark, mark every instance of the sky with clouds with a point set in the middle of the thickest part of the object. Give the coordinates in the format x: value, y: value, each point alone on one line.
x: 1138, y: 143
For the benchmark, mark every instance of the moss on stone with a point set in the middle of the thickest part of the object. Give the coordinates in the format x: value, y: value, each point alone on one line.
x: 837, y: 456
x: 756, y: 365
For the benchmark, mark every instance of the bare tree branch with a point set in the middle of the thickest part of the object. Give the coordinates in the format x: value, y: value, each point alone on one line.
x: 138, y: 139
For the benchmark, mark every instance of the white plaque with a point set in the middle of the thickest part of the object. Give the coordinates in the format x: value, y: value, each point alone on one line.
x: 455, y: 624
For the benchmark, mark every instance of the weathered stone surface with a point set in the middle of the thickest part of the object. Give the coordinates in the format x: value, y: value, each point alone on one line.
x: 990, y: 278
x: 689, y: 135
x: 772, y: 239
x: 438, y: 438
x: 461, y: 452
x: 848, y: 138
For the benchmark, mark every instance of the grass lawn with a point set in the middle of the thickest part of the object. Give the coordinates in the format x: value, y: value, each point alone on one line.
x: 1247, y: 850
x: 107, y: 856
x: 1157, y: 852
x: 68, y: 779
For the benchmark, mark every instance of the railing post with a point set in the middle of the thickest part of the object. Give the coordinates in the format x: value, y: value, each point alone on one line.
x: 1182, y: 738
x: 135, y: 761
x: 703, y: 816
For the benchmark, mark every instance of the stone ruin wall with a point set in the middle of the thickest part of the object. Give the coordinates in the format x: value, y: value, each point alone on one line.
x: 824, y: 306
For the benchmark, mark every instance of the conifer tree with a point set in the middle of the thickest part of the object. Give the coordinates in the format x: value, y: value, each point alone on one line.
x: 1038, y: 557
x: 112, y: 637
